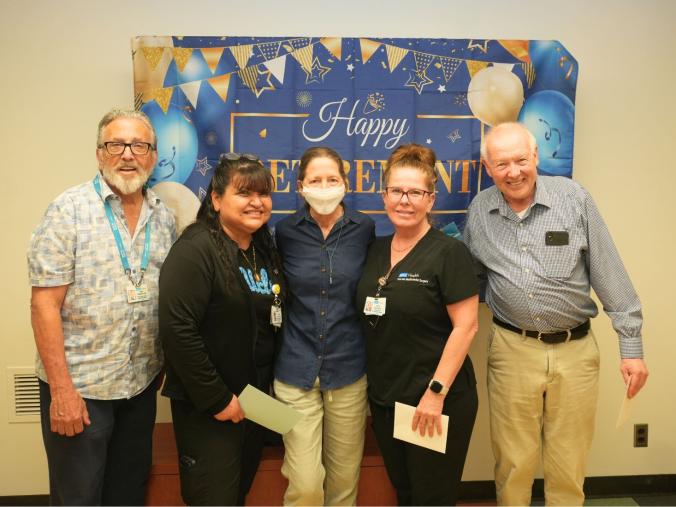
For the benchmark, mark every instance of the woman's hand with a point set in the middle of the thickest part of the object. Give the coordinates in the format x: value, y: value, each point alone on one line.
x: 428, y: 413
x: 233, y: 412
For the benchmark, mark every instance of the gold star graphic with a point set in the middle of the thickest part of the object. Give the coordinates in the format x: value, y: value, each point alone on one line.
x: 418, y: 80
x: 317, y: 72
x: 264, y: 79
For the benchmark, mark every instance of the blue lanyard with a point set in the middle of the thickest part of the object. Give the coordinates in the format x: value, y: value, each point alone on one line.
x: 118, y: 239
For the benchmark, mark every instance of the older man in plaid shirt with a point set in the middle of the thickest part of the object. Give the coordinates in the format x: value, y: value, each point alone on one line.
x: 542, y: 244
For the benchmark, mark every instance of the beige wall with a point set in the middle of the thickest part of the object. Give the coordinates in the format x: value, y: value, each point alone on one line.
x: 65, y: 63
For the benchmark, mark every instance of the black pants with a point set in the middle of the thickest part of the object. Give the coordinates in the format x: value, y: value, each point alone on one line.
x: 419, y: 475
x: 217, y: 460
x: 109, y: 462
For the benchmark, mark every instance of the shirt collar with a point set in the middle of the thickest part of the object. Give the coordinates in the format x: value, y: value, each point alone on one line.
x: 348, y: 214
x: 541, y: 197
x: 106, y: 192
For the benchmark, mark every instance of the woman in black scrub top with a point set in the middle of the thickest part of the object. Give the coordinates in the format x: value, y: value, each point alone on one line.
x: 418, y: 300
x: 220, y: 311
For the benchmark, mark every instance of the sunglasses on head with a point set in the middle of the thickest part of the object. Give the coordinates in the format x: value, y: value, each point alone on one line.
x: 234, y: 157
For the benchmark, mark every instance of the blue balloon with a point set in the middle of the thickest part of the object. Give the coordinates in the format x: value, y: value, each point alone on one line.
x: 555, y: 68
x: 550, y: 116
x: 176, y: 143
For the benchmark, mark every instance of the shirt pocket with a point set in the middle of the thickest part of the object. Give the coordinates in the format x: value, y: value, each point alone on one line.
x: 558, y: 261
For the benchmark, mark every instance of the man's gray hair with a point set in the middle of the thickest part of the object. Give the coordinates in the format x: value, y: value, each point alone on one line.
x: 114, y: 114
x: 510, y: 124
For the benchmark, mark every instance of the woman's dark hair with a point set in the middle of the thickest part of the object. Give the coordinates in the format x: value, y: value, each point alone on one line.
x: 248, y: 173
x: 317, y: 152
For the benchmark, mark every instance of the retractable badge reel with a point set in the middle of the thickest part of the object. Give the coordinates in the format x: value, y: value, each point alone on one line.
x: 276, y: 308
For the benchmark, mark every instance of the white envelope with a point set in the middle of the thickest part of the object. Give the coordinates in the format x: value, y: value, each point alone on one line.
x: 403, y: 418
x: 625, y: 408
x: 267, y: 411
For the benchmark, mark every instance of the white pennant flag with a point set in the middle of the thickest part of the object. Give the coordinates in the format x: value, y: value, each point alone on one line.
x: 191, y: 90
x: 277, y: 67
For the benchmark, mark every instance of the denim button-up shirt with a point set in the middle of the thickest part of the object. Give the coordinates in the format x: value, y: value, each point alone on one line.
x: 322, y: 336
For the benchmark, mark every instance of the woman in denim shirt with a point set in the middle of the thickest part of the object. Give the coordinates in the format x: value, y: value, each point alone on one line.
x: 320, y: 370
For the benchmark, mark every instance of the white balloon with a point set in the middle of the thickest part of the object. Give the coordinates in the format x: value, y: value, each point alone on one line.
x: 495, y: 95
x: 181, y: 202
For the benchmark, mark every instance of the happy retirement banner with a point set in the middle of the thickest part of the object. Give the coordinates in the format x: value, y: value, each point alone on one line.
x: 277, y: 96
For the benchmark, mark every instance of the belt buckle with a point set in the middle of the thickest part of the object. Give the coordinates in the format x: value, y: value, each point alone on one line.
x: 569, y: 334
x: 539, y: 336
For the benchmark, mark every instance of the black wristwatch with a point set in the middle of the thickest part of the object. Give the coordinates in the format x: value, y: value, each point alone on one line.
x: 437, y: 387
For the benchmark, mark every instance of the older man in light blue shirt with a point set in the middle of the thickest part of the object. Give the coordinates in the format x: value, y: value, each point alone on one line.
x: 542, y: 244
x: 94, y: 264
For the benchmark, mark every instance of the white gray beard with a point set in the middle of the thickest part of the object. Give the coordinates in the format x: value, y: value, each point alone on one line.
x: 125, y: 185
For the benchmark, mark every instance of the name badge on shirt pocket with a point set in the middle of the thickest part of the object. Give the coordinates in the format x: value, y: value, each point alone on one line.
x: 556, y: 238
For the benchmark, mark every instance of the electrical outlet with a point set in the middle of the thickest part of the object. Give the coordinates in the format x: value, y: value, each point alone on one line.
x: 640, y: 435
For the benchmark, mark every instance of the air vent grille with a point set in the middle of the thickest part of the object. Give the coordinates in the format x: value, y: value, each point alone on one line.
x: 24, y: 392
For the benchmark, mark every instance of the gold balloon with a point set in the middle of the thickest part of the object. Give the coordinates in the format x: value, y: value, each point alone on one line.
x: 495, y: 95
x: 181, y: 202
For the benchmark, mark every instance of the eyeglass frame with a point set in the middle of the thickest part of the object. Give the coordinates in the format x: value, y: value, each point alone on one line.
x: 150, y: 147
x: 406, y: 193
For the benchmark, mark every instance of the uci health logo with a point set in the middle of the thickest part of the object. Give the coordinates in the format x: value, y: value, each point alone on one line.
x: 411, y: 277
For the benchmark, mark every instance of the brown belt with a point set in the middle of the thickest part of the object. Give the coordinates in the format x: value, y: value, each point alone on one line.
x: 559, y: 337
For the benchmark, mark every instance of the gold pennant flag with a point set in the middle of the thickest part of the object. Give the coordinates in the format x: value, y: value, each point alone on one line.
x: 304, y: 57
x: 422, y: 60
x: 241, y: 54
x: 212, y: 56
x: 334, y: 45
x: 449, y: 66
x: 529, y: 71
x: 516, y: 48
x: 474, y: 66
x: 162, y: 96
x: 220, y: 84
x: 368, y: 47
x: 181, y: 57
x: 153, y: 55
x: 249, y: 77
x: 300, y: 43
x: 269, y: 50
x: 395, y: 55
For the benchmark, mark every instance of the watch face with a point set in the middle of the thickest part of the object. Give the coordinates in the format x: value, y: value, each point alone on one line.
x: 435, y: 386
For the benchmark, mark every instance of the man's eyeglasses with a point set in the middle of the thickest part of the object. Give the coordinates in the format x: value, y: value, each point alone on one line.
x: 413, y: 194
x: 117, y: 148
x: 233, y: 156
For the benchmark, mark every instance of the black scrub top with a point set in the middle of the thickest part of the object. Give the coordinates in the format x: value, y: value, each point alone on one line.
x: 404, y: 346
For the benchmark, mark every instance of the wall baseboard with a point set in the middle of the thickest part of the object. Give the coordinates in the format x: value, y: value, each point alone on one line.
x: 619, y: 485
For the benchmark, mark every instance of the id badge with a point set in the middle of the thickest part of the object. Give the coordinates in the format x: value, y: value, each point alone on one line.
x: 137, y: 294
x: 276, y: 315
x: 375, y: 306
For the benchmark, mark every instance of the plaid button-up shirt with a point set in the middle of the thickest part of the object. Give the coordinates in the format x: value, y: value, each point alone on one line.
x: 541, y: 287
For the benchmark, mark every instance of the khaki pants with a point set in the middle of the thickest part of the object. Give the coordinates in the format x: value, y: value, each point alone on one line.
x: 323, y: 452
x: 542, y: 405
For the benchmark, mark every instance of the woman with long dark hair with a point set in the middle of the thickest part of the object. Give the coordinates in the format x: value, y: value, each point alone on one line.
x: 221, y: 291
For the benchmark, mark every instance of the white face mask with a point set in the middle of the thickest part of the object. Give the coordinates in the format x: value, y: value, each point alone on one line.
x: 324, y: 200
